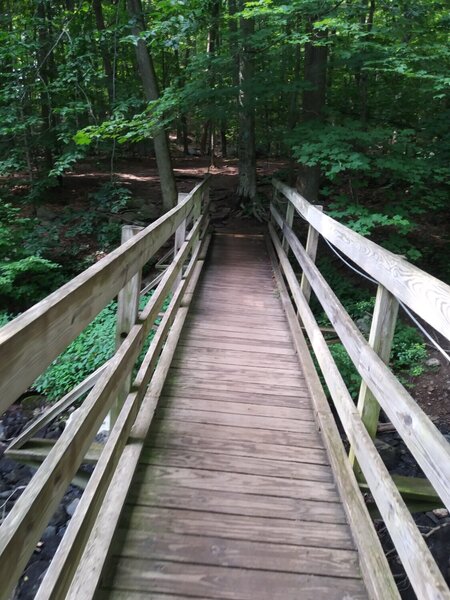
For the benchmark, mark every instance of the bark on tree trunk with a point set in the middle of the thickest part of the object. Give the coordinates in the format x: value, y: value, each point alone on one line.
x: 247, y: 153
x: 151, y: 91
x: 313, y: 104
x: 107, y: 65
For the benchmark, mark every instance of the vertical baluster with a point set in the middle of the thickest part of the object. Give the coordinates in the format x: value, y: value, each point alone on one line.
x: 380, y: 338
x: 311, y: 249
x: 127, y: 312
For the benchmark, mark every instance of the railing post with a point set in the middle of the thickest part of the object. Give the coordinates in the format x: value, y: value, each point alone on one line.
x: 127, y: 312
x: 380, y: 339
x: 180, y: 236
x: 311, y: 249
x: 290, y: 212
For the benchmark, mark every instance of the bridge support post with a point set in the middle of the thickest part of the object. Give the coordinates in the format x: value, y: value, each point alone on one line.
x: 180, y: 236
x: 312, y: 242
x: 380, y: 338
x: 127, y: 312
x: 290, y: 213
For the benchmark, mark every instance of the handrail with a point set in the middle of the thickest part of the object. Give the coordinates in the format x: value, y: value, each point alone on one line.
x: 426, y: 295
x: 29, y: 343
x: 71, y: 307
x: 430, y: 448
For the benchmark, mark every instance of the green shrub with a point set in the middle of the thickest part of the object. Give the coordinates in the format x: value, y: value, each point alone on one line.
x: 91, y: 349
x: 25, y: 276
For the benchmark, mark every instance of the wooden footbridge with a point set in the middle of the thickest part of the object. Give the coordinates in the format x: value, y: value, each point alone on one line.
x: 224, y: 475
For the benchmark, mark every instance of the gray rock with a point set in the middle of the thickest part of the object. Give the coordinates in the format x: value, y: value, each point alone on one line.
x: 2, y: 431
x: 433, y: 362
x: 72, y: 507
x: 441, y: 513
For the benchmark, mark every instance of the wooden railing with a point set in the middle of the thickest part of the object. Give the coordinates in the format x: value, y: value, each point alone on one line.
x: 398, y: 281
x: 32, y: 341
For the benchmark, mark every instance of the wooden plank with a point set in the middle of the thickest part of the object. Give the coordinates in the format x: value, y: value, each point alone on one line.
x: 225, y: 308
x: 230, y: 386
x: 224, y: 330
x: 424, y: 440
x: 219, y: 345
x: 276, y: 327
x: 230, y: 359
x: 241, y: 376
x: 300, y: 400
x: 235, y: 482
x: 424, y: 294
x: 95, y: 552
x: 208, y: 313
x: 208, y: 330
x: 69, y: 553
x: 224, y: 462
x: 236, y: 357
x: 239, y: 408
x: 419, y: 564
x: 127, y: 313
x: 29, y: 343
x: 311, y: 250
x: 380, y: 339
x: 241, y: 554
x: 227, y: 583
x: 234, y: 420
x: 238, y: 447
x: 238, y: 339
x: 236, y: 503
x: 376, y: 571
x: 244, y: 298
x: 236, y: 527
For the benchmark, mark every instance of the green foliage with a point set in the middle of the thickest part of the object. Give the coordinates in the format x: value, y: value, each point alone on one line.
x: 408, y: 348
x: 91, y: 349
x: 25, y: 276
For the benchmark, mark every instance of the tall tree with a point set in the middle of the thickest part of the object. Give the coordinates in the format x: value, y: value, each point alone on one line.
x: 246, y: 109
x: 151, y: 91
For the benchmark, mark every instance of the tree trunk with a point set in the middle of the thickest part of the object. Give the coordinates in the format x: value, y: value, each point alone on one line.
x: 44, y: 73
x: 363, y: 76
x: 247, y: 153
x: 313, y: 104
x: 150, y: 85
x: 107, y: 65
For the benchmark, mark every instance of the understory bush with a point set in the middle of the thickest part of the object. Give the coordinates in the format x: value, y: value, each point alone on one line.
x: 89, y: 351
x: 25, y: 276
x: 408, y: 352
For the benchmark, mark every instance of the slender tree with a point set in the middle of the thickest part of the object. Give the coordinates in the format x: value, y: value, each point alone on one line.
x: 151, y: 91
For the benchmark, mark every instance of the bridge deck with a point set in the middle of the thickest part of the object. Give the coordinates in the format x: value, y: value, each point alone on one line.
x: 234, y: 497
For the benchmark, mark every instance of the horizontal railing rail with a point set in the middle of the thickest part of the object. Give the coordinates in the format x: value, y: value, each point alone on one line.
x: 413, y: 287
x: 33, y: 340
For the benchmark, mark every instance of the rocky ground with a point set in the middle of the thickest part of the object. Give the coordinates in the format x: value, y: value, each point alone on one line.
x: 14, y: 477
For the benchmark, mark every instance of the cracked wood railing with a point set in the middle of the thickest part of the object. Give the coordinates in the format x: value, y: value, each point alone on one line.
x: 33, y: 340
x: 429, y: 298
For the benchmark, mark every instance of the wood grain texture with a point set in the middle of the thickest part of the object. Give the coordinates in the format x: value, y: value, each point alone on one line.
x: 424, y: 294
x: 426, y: 443
x: 228, y: 583
x: 236, y: 503
x: 233, y: 481
x: 419, y: 564
x: 31, y: 341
